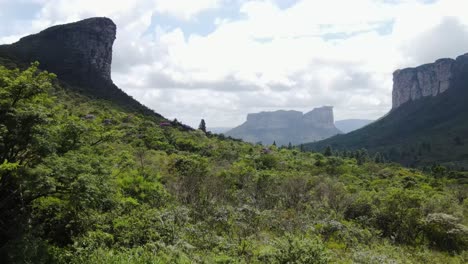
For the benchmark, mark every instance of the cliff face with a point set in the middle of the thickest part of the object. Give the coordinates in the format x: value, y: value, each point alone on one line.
x: 287, y: 126
x: 273, y: 120
x: 427, y: 80
x: 321, y: 117
x: 80, y: 54
x: 76, y: 52
x: 428, y: 123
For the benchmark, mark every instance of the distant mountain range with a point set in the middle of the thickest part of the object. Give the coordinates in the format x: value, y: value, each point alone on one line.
x: 349, y: 125
x: 428, y: 123
x: 219, y: 130
x: 345, y: 126
x: 284, y: 127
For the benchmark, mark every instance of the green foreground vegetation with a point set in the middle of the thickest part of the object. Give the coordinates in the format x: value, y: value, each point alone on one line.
x: 83, y: 181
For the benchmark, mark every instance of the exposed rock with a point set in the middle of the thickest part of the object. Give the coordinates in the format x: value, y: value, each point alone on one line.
x: 427, y: 80
x: 80, y: 54
x: 274, y: 120
x: 287, y: 126
x: 429, y: 115
x: 76, y: 51
x: 320, y: 117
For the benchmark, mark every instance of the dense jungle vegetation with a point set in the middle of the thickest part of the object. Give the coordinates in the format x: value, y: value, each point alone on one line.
x: 84, y: 181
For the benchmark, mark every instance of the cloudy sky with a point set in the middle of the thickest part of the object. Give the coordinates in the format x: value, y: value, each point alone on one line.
x: 221, y: 59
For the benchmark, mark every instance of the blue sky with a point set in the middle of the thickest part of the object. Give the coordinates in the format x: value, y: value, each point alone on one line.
x: 221, y: 59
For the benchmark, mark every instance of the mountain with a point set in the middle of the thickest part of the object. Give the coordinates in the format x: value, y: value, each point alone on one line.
x: 428, y: 122
x: 80, y: 54
x: 348, y: 125
x: 219, y: 130
x: 85, y: 179
x: 284, y: 127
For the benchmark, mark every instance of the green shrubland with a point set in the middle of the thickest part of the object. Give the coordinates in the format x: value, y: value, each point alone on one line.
x: 84, y: 181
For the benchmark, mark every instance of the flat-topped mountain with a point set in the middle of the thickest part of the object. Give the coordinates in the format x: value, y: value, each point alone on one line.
x: 80, y: 54
x: 284, y: 127
x: 428, y: 122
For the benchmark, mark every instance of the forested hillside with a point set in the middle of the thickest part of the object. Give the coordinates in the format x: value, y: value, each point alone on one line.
x: 86, y: 181
x: 421, y: 132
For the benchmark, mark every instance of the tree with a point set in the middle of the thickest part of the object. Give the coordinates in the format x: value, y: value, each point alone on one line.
x: 202, y: 125
x: 274, y: 143
x: 361, y: 156
x: 23, y: 108
x: 378, y: 158
x: 290, y: 145
x: 25, y: 111
x: 328, y: 151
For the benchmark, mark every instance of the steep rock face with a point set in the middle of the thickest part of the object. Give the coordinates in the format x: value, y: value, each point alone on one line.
x: 76, y: 52
x: 427, y: 124
x: 427, y: 80
x: 80, y: 54
x: 273, y: 120
x: 322, y: 117
x: 283, y: 127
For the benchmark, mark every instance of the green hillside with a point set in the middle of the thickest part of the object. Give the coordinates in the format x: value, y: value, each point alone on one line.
x: 87, y: 181
x: 432, y: 130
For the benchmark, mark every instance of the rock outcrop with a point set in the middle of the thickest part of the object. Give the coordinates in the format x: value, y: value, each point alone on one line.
x: 76, y: 52
x: 320, y: 117
x: 428, y: 122
x: 283, y: 127
x: 80, y: 54
x: 273, y: 120
x: 431, y: 79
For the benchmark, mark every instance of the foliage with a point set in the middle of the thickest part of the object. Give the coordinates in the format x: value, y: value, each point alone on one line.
x: 88, y: 182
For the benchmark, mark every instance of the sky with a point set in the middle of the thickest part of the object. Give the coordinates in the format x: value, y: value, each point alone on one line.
x: 221, y: 59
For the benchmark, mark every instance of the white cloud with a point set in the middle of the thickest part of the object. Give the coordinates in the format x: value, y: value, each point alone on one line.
x: 313, y: 53
x: 184, y: 9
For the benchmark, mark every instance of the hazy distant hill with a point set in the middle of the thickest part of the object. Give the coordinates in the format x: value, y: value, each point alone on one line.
x: 219, y: 130
x: 349, y: 125
x: 429, y: 120
x: 284, y: 127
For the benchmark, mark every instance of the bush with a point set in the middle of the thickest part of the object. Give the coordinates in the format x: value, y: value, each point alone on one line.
x: 299, y: 250
x: 445, y: 232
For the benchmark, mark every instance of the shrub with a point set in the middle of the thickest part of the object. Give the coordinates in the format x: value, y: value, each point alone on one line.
x: 445, y: 232
x: 299, y: 250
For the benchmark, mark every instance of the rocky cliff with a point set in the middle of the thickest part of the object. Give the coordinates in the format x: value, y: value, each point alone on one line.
x: 287, y: 126
x: 76, y: 52
x: 80, y: 54
x: 428, y: 123
x: 427, y: 80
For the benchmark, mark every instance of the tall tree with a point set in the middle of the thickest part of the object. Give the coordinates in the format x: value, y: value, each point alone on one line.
x: 25, y: 111
x: 328, y: 151
x: 202, y: 125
